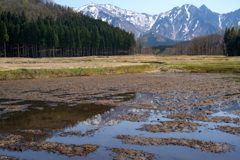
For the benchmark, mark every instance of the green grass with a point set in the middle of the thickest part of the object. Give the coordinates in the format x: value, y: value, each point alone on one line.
x: 53, y: 73
x: 235, y: 79
x: 212, y: 68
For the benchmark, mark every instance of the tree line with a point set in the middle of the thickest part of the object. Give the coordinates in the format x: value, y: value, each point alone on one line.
x: 71, y: 34
x: 205, y: 45
x: 232, y: 41
x: 213, y: 44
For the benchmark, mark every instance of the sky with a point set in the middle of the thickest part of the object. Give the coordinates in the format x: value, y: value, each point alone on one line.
x: 157, y: 6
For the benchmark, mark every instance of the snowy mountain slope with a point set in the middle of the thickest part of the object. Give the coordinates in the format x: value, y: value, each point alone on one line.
x: 128, y: 20
x: 180, y: 23
x: 184, y: 23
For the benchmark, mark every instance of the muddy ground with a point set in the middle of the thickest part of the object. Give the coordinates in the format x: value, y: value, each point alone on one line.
x: 185, y: 110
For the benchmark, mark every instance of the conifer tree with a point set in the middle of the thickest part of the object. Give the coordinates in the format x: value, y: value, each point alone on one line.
x: 3, y: 36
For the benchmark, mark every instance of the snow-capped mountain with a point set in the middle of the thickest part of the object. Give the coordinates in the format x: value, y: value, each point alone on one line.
x: 180, y: 23
x: 184, y: 23
x: 130, y: 21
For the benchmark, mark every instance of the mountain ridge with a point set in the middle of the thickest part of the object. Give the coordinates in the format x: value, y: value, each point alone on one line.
x: 180, y: 23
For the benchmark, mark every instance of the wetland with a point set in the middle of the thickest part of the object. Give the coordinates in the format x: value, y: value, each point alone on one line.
x: 130, y: 116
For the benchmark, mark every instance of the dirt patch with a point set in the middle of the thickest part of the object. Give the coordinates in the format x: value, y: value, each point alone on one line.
x: 171, y: 126
x: 71, y: 133
x: 236, y: 112
x: 135, y: 117
x: 122, y: 154
x: 204, y: 118
x: 229, y: 129
x: 18, y: 142
x: 192, y: 143
x: 13, y: 108
x: 2, y: 157
x: 68, y: 150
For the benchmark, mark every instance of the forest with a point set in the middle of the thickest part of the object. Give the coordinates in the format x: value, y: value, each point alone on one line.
x: 213, y: 44
x: 65, y: 33
x: 232, y: 41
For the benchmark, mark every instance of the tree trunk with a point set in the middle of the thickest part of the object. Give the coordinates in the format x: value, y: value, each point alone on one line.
x: 5, y: 53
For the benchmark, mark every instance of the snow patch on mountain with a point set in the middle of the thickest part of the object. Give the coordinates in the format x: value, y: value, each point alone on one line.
x: 220, y: 21
x: 188, y: 13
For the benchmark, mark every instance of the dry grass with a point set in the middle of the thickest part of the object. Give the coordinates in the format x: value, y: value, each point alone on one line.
x: 25, y: 68
x: 56, y: 63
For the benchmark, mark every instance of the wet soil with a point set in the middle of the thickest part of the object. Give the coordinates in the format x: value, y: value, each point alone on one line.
x: 204, y: 118
x: 121, y: 154
x: 194, y: 115
x: 171, y: 126
x: 17, y: 142
x: 192, y: 143
x: 135, y: 117
x: 2, y: 157
x: 229, y: 129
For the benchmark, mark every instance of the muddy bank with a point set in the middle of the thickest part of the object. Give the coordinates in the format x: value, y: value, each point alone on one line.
x: 204, y: 118
x: 2, y: 157
x: 192, y: 143
x: 121, y: 154
x: 135, y: 117
x: 171, y: 126
x: 229, y: 129
x: 19, y: 143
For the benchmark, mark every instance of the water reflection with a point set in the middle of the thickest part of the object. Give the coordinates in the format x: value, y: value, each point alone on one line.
x: 41, y: 115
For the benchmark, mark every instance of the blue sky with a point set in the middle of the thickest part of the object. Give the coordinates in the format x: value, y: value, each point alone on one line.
x: 158, y: 6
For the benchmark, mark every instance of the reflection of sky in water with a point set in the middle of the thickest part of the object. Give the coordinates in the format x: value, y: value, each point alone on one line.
x: 225, y: 114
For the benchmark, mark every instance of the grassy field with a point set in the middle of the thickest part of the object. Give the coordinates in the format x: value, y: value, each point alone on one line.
x: 27, y: 68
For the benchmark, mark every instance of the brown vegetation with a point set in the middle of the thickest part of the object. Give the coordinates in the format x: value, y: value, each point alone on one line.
x: 204, y: 118
x: 171, y: 126
x: 229, y: 129
x: 19, y: 142
x: 192, y: 143
x: 131, y: 154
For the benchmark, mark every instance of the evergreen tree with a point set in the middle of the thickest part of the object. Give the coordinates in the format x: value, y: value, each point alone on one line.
x: 3, y: 36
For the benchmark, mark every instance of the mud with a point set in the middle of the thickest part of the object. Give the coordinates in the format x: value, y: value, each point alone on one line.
x: 204, y: 118
x: 122, y: 154
x: 171, y: 126
x: 71, y: 133
x: 229, y: 129
x: 135, y: 117
x: 14, y: 108
x: 19, y: 143
x: 192, y: 143
x: 2, y: 157
x: 236, y: 112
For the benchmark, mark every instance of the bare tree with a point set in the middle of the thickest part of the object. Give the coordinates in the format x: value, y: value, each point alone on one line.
x: 140, y: 43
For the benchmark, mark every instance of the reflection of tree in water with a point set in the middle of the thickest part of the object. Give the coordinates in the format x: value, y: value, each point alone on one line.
x: 52, y: 117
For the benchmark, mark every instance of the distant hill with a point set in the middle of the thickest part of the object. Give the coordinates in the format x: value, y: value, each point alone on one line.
x: 35, y: 8
x: 156, y: 39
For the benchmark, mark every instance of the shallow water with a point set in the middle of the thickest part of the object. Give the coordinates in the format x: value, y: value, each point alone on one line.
x: 59, y: 117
